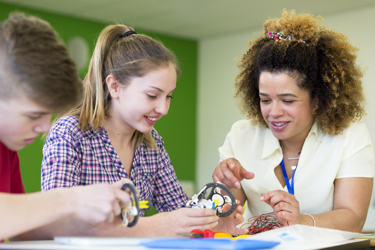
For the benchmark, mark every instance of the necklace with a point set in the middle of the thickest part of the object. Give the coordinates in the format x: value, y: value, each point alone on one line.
x: 292, y: 158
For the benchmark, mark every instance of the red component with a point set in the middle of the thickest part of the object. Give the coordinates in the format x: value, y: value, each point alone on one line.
x: 208, y: 233
x: 196, y: 231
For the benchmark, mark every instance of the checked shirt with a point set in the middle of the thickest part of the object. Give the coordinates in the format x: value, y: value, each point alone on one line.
x: 72, y: 157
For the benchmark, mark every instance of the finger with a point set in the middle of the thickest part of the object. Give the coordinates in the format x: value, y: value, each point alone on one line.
x: 266, y: 200
x: 204, y: 227
x: 240, y: 209
x: 120, y: 183
x: 199, y: 212
x: 246, y: 174
x: 240, y: 231
x: 218, y: 175
x: 232, y: 163
x: 238, y: 218
x: 270, y: 195
x: 283, y: 197
x: 110, y: 217
x: 123, y: 198
x: 230, y: 179
x: 284, y: 217
x: 202, y: 221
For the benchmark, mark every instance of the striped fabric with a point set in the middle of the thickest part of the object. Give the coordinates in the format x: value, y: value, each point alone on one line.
x: 72, y: 157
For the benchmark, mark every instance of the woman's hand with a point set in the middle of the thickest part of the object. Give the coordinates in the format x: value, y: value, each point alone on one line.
x: 284, y: 205
x: 228, y: 224
x: 230, y: 172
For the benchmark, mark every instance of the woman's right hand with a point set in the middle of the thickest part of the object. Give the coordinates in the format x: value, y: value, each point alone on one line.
x: 230, y: 172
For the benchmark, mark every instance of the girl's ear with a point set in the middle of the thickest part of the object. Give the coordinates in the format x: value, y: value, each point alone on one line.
x: 113, y: 86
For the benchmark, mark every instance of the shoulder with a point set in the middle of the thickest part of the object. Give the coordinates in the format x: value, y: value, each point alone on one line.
x: 67, y: 127
x: 157, y: 137
x: 357, y: 131
x: 244, y: 126
x: 357, y: 134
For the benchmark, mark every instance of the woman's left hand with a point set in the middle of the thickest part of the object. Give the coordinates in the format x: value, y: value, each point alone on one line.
x: 284, y: 205
x: 228, y: 224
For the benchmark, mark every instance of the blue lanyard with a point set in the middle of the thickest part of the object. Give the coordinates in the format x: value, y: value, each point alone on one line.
x: 289, y: 186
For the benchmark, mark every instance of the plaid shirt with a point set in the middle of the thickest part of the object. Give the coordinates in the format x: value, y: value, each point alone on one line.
x: 72, y: 157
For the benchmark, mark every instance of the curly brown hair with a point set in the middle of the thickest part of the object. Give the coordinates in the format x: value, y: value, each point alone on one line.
x: 323, y: 60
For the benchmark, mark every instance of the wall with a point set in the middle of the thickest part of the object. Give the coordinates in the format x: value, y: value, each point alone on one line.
x: 178, y: 128
x: 217, y: 110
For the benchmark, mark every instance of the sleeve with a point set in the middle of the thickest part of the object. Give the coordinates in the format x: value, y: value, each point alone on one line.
x: 358, y: 159
x: 61, y: 165
x: 16, y: 186
x: 168, y: 194
x: 227, y: 150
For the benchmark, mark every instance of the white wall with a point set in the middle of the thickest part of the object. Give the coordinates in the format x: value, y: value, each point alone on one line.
x: 217, y: 109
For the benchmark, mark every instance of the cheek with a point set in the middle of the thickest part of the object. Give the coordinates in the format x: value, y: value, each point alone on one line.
x: 264, y: 110
x: 12, y: 131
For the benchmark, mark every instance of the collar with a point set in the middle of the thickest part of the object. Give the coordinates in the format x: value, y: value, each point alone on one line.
x: 272, y: 145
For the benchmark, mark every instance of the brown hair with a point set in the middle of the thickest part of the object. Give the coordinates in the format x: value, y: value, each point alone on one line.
x: 34, y: 60
x: 323, y: 61
x: 124, y: 58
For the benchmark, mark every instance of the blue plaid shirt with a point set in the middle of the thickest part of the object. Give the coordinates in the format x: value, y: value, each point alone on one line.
x: 72, y: 157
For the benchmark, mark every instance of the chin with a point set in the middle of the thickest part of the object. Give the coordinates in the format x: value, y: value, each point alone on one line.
x: 15, y: 147
x: 145, y: 131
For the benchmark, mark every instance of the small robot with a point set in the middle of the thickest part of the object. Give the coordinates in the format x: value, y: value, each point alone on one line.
x: 130, y: 214
x: 211, y: 196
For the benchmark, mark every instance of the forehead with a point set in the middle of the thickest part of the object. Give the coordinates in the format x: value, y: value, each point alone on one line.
x: 280, y: 79
x: 163, y: 78
x: 23, y: 104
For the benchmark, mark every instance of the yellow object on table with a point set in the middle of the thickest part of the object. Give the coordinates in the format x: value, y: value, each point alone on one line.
x: 222, y: 235
x: 241, y: 236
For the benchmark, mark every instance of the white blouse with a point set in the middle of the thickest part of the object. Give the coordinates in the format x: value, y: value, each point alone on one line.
x: 323, y: 159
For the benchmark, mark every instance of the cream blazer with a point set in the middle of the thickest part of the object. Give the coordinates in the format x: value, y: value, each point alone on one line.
x: 323, y: 159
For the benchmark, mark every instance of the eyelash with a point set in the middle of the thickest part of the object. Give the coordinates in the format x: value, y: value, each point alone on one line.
x: 285, y: 101
x: 35, y: 117
x: 153, y: 97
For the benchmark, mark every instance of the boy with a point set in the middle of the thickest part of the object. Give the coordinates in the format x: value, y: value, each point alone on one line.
x: 37, y: 78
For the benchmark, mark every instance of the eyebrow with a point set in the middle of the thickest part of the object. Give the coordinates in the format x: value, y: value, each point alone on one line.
x: 281, y: 95
x: 161, y: 89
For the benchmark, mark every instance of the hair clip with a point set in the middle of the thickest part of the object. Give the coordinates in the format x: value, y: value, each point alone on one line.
x: 128, y: 33
x: 278, y: 36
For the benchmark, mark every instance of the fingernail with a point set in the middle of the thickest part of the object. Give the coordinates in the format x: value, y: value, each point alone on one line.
x: 261, y: 197
x: 237, y: 184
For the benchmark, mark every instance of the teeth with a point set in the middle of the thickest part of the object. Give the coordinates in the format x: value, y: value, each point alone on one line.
x: 152, y: 119
x: 279, y: 124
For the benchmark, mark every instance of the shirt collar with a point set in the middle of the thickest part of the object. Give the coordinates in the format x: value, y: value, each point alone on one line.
x: 272, y: 145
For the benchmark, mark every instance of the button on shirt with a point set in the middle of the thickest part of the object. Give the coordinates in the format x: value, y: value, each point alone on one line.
x: 323, y: 159
x: 72, y: 157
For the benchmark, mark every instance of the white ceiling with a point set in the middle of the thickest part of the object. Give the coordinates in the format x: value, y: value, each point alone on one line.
x: 193, y: 19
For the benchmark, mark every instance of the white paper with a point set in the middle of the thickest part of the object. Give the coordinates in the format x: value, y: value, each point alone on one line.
x: 305, y: 237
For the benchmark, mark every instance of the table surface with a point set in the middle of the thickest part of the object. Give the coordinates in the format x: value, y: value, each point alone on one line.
x: 357, y: 244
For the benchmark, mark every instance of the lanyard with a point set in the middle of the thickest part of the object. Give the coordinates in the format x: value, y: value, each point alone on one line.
x: 290, y: 186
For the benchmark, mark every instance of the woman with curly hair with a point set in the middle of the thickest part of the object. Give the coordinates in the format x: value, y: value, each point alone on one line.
x: 304, y: 152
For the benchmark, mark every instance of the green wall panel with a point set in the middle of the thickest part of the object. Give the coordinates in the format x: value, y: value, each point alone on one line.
x: 177, y: 128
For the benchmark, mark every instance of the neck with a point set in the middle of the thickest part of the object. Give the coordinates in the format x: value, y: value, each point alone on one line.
x: 118, y: 132
x: 293, y: 149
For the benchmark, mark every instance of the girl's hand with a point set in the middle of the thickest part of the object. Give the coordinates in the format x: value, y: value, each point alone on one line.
x: 228, y: 224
